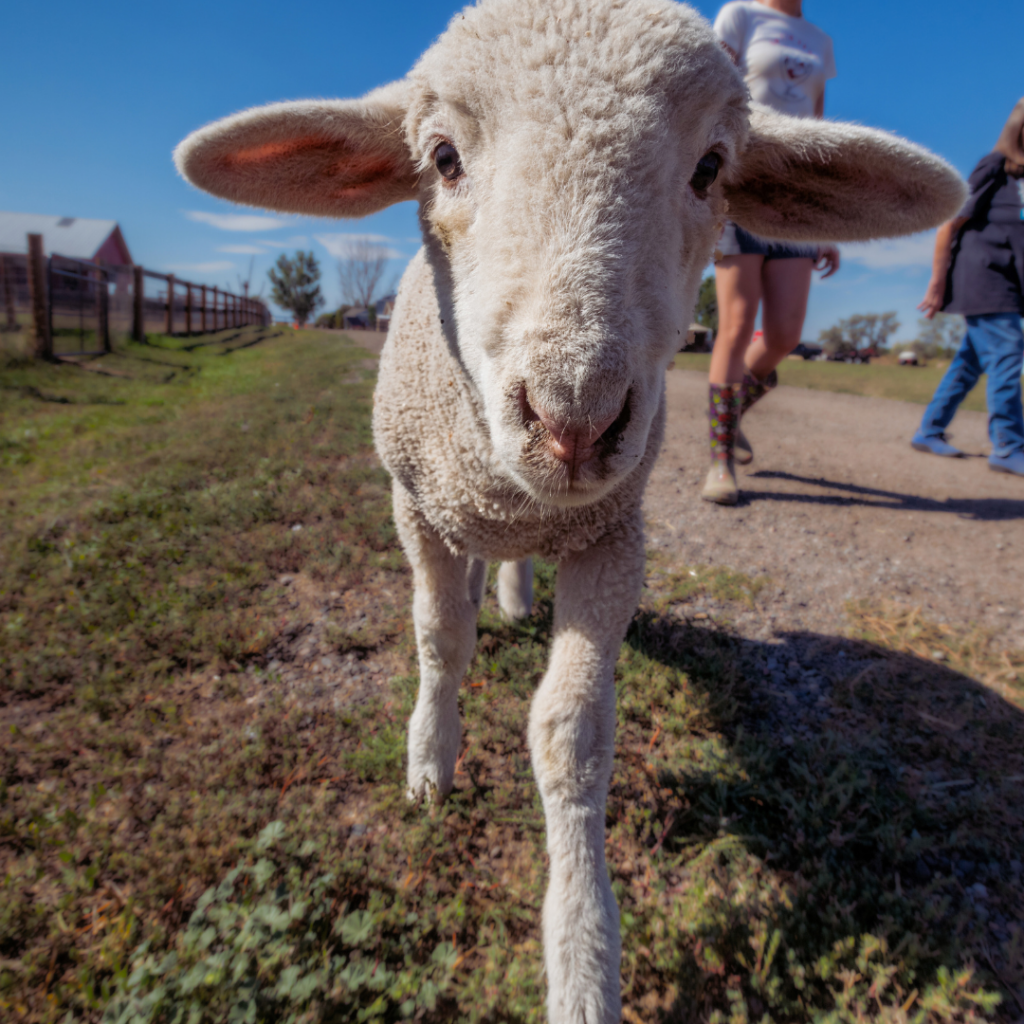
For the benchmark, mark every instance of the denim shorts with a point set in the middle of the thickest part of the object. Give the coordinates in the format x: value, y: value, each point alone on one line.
x: 735, y: 241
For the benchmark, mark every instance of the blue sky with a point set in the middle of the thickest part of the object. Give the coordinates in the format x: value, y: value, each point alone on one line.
x: 96, y: 97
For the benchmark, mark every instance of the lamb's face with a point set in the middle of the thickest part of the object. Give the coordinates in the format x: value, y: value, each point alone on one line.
x: 569, y: 204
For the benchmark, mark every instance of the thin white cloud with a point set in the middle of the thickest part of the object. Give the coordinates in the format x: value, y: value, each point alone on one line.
x: 237, y: 221
x: 340, y: 245
x: 911, y: 253
x: 243, y: 250
x: 201, y: 268
x: 288, y: 243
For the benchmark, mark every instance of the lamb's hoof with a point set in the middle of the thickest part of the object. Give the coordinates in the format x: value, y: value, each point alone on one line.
x: 426, y: 792
x: 514, y: 614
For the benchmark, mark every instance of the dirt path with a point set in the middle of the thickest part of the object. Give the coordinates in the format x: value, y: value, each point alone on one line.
x: 837, y: 506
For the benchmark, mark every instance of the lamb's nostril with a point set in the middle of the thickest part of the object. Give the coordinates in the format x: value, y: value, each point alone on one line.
x: 572, y: 440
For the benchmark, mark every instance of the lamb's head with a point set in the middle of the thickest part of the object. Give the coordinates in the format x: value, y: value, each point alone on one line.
x: 569, y: 153
x: 574, y: 161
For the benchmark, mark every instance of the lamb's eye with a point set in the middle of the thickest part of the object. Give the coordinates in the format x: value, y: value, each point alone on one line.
x: 707, y: 170
x: 446, y: 160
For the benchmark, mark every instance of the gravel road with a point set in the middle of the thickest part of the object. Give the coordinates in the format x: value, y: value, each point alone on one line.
x: 837, y: 506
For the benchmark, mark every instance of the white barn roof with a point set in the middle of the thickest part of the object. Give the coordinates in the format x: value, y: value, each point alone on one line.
x: 68, y: 236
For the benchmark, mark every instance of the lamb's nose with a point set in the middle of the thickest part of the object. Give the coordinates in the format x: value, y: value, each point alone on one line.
x: 572, y: 443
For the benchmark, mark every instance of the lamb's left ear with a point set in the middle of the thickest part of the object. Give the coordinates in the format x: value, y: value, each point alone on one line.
x: 807, y: 180
x: 327, y: 158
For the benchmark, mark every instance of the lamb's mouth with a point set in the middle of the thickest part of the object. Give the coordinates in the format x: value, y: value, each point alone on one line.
x: 570, y: 459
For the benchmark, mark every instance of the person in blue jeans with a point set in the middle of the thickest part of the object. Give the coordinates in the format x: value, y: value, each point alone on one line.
x: 978, y: 271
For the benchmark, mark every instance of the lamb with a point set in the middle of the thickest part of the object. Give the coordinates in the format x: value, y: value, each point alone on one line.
x: 573, y: 161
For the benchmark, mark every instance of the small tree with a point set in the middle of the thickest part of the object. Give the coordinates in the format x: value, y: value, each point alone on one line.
x: 835, y: 344
x: 361, y: 271
x: 295, y: 285
x: 940, y: 337
x: 706, y: 312
x: 861, y: 336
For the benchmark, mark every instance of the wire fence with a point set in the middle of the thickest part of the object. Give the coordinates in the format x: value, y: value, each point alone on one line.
x: 63, y: 306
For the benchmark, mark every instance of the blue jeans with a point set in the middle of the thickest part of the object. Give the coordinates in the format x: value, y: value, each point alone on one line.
x: 994, y: 345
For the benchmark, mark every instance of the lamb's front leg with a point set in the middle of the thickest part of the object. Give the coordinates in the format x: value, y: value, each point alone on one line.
x: 572, y: 741
x: 444, y: 614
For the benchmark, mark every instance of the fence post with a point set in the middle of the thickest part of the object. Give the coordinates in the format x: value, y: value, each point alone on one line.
x: 102, y: 310
x: 138, y: 304
x: 5, y: 272
x: 202, y: 313
x: 169, y: 326
x: 188, y: 309
x: 38, y: 298
x: 214, y: 309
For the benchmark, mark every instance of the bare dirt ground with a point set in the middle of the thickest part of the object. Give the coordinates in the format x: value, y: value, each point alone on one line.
x: 837, y: 506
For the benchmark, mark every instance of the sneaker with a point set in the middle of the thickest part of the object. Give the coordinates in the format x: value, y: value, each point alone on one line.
x: 742, y: 453
x: 720, y: 486
x: 1008, y: 463
x: 936, y: 444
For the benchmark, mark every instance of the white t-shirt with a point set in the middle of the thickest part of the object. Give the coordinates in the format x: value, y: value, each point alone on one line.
x: 784, y: 60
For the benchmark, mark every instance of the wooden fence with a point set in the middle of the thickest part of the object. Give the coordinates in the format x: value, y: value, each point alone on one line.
x: 62, y: 298
x: 200, y: 307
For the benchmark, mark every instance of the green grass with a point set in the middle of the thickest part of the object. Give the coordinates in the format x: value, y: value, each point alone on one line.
x: 877, y: 380
x: 170, y: 850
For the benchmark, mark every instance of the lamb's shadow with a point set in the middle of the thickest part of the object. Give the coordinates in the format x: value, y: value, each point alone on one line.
x: 982, y: 509
x: 881, y: 790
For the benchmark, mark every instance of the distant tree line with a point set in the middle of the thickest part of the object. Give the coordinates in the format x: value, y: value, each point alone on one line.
x: 862, y: 336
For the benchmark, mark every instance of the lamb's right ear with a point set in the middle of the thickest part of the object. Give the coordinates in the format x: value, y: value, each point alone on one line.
x: 325, y: 158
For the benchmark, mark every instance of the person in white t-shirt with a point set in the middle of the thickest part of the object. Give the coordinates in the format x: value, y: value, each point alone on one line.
x: 785, y: 61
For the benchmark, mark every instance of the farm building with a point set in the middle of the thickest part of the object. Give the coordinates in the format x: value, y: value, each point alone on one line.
x: 99, y: 241
x: 73, y: 289
x: 698, y: 339
x: 357, y: 319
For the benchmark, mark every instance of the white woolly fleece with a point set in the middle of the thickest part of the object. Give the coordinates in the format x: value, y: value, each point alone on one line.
x: 558, y: 273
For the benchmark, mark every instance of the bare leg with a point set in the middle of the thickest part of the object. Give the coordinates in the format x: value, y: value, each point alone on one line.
x: 445, y: 620
x: 738, y: 286
x: 572, y: 742
x: 786, y: 284
x: 515, y: 589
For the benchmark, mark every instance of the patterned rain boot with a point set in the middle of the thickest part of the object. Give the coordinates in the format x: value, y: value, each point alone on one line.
x: 753, y: 391
x: 724, y: 402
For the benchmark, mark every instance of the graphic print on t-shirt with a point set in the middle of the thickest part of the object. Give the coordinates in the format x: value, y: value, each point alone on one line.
x: 785, y: 65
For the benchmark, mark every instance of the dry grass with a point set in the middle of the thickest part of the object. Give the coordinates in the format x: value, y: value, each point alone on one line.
x: 970, y: 650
